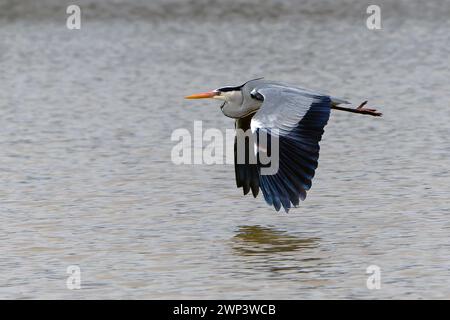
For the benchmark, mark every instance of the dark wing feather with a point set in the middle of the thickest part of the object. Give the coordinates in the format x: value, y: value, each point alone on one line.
x: 247, y: 173
x: 299, y: 118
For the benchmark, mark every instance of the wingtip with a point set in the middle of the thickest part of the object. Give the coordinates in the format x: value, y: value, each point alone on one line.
x: 255, y: 192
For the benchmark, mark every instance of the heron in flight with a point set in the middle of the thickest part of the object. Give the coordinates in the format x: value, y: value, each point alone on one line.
x: 297, y: 116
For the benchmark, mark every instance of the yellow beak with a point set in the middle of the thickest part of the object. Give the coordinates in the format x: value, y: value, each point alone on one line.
x: 204, y: 95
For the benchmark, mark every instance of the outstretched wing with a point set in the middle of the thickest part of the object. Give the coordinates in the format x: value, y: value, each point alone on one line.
x: 295, y: 118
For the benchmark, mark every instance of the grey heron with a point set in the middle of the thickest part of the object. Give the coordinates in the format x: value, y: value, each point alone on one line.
x: 298, y: 115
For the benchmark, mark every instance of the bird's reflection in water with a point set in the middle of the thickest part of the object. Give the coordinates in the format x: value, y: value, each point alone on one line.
x: 255, y: 240
x: 275, y: 250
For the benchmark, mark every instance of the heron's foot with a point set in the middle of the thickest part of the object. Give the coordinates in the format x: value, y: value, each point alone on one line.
x: 362, y: 110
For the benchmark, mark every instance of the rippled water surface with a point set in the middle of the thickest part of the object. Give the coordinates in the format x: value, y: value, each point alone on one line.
x: 86, y: 176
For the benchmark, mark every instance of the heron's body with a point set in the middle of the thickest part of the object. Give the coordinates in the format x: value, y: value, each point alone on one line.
x: 292, y: 116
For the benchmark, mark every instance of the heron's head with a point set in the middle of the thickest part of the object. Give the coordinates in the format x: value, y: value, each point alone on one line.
x: 231, y: 95
x: 237, y: 101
